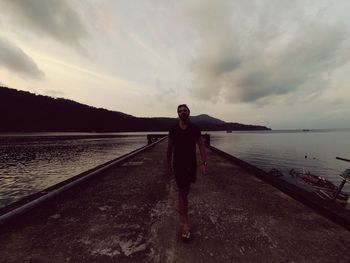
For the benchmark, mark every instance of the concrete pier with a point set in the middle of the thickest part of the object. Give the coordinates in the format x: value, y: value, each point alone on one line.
x: 128, y: 213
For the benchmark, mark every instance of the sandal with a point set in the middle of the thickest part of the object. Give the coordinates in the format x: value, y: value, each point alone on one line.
x: 186, y: 236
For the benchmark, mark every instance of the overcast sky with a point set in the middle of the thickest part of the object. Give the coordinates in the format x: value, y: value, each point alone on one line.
x: 279, y: 63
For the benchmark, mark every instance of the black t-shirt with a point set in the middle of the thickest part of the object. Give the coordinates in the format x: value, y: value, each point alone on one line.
x: 184, y: 142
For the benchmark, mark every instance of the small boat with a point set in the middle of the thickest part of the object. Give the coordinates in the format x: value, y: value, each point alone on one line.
x: 305, y: 130
x: 228, y: 131
x: 313, y: 180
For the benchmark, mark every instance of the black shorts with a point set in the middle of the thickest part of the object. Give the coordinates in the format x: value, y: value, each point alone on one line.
x: 184, y: 176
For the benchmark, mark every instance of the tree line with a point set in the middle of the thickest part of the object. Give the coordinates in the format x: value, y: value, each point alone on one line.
x: 22, y: 111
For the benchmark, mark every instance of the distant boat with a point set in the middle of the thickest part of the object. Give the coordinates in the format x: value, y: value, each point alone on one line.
x: 305, y: 130
x: 228, y: 131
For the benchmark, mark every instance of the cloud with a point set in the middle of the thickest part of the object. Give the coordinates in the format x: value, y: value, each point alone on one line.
x: 15, y: 59
x: 52, y: 18
x: 166, y: 92
x: 251, y: 53
x: 54, y: 93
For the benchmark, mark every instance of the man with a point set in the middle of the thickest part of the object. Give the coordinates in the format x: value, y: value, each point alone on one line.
x: 182, y: 147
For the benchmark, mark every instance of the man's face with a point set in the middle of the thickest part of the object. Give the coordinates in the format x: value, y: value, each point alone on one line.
x: 183, y: 113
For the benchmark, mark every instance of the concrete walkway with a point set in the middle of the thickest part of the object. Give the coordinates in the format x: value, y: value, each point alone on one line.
x: 129, y: 214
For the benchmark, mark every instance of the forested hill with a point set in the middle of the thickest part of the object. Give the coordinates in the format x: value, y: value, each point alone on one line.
x: 22, y: 111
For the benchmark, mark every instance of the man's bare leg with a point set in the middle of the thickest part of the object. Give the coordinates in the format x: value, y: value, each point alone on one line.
x: 183, y: 207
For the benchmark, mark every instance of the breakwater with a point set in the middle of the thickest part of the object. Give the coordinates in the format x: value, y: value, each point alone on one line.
x: 128, y: 213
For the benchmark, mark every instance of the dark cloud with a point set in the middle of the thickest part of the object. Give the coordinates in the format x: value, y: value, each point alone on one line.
x: 14, y: 59
x: 304, y: 62
x: 54, y: 18
x: 249, y: 53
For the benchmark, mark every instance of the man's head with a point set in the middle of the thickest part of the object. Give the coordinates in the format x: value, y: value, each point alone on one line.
x: 183, y: 111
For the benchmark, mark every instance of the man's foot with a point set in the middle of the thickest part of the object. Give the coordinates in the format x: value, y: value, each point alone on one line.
x: 186, y: 235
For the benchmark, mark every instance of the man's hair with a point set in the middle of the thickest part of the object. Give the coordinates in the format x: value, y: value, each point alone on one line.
x: 183, y: 105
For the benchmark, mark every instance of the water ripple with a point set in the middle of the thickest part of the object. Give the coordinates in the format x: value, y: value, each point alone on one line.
x: 31, y: 163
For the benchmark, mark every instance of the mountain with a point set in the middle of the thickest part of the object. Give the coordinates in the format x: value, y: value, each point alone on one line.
x: 22, y: 111
x: 204, y: 118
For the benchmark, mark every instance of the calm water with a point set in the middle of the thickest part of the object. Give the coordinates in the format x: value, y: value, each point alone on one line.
x: 32, y: 162
x: 285, y: 150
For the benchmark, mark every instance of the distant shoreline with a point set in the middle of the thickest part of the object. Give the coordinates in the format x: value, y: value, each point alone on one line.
x: 26, y: 112
x: 144, y: 133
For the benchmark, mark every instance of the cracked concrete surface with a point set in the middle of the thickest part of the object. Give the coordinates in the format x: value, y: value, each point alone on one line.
x: 129, y: 214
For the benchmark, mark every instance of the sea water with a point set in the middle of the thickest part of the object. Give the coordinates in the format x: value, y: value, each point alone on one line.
x: 32, y: 162
x: 313, y: 151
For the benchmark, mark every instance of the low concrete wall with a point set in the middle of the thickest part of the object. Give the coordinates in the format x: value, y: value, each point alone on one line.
x: 151, y: 138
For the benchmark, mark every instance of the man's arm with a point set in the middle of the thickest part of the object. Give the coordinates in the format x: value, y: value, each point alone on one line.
x: 203, y: 155
x: 169, y: 153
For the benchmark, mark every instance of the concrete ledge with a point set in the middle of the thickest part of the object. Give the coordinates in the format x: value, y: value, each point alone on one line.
x: 151, y: 138
x: 328, y: 208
